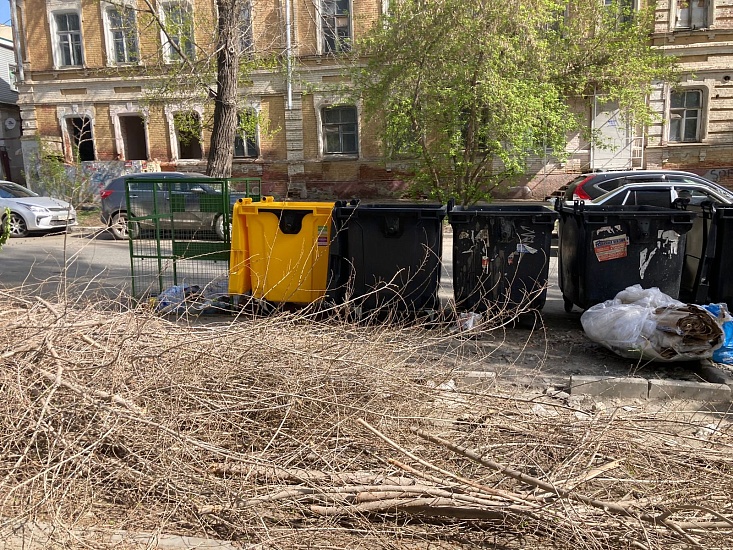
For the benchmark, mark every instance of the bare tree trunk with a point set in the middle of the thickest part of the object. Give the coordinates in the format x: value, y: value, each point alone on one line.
x: 228, y: 53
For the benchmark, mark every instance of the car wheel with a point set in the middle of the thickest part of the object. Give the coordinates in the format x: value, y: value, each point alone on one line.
x: 219, y: 227
x: 119, y: 226
x: 18, y: 227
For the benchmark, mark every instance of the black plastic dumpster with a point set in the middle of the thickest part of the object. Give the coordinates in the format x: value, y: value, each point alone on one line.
x: 604, y: 249
x: 720, y: 277
x: 386, y: 256
x: 501, y: 256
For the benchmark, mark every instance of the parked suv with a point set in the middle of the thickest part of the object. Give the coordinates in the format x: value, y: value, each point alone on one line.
x: 179, y: 200
x: 591, y: 186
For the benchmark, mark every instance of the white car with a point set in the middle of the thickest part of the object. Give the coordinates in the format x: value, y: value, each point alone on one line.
x: 29, y: 212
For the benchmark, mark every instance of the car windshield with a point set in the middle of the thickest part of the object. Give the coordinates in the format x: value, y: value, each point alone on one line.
x: 14, y: 191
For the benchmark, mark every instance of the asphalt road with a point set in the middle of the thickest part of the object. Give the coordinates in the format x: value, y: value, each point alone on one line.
x: 84, y: 261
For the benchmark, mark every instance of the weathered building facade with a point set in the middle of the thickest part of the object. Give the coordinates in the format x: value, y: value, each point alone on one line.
x: 11, y: 155
x: 88, y: 68
x: 695, y: 125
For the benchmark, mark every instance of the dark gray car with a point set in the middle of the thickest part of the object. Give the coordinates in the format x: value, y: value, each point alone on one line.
x: 177, y: 196
x: 593, y: 185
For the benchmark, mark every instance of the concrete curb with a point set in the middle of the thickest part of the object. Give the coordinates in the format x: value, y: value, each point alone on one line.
x: 607, y: 386
x: 642, y: 388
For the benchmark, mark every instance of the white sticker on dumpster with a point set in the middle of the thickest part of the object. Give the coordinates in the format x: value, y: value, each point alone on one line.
x: 525, y: 249
x: 611, y: 248
x: 322, y: 235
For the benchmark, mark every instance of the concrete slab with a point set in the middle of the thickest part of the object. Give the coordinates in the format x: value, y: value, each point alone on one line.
x: 694, y: 391
x: 609, y: 386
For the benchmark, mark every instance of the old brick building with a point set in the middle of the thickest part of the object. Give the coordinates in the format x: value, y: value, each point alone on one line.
x: 695, y: 127
x: 88, y: 65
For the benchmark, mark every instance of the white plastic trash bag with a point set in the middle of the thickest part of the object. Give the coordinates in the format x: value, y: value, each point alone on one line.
x: 646, y: 323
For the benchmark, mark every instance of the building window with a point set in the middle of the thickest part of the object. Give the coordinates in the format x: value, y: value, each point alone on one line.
x: 336, y: 26
x: 245, y: 142
x: 685, y: 115
x: 68, y: 39
x: 178, y: 23
x: 340, y: 134
x: 132, y: 133
x: 122, y: 35
x: 13, y: 77
x: 187, y: 127
x: 246, y: 38
x: 691, y: 14
x: 622, y: 10
x: 79, y: 130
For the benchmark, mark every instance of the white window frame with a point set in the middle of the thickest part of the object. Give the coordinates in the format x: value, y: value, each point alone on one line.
x: 170, y: 111
x: 129, y: 109
x: 169, y: 53
x: 256, y: 112
x: 702, y: 123
x: 321, y: 33
x: 64, y: 8
x: 323, y: 102
x: 109, y: 38
x: 65, y: 112
x: 707, y: 24
x: 247, y: 35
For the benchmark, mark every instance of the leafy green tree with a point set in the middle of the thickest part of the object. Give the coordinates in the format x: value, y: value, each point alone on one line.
x: 62, y: 178
x: 469, y: 91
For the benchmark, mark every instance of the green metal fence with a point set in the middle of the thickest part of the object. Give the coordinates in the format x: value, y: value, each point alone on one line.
x: 180, y: 232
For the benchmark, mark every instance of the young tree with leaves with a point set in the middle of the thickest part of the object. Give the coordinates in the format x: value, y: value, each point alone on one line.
x: 471, y: 90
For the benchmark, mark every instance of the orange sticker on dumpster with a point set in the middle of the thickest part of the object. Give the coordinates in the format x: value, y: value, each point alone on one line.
x: 611, y: 248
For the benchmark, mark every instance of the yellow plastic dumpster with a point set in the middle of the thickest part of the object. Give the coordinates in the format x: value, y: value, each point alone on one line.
x: 280, y: 250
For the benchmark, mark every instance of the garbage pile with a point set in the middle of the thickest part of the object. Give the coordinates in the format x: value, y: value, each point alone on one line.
x: 648, y: 324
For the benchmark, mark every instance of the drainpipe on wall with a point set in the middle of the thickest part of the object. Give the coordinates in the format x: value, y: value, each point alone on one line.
x: 16, y: 40
x: 288, y: 55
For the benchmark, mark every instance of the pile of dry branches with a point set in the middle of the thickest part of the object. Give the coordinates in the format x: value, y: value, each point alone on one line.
x: 119, y: 426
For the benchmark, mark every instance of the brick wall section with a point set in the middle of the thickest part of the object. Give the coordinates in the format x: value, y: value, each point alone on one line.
x: 368, y: 139
x: 95, y: 54
x: 37, y: 43
x: 204, y: 25
x: 365, y: 14
x: 159, y: 143
x: 268, y: 26
x: 310, y: 133
x: 148, y: 36
x: 306, y: 17
x: 104, y: 133
x: 48, y: 123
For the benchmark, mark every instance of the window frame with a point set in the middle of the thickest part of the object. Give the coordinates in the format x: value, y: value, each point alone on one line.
x: 245, y: 140
x: 170, y: 112
x: 699, y: 120
x: 708, y: 12
x: 120, y: 111
x: 170, y: 55
x: 339, y: 126
x: 341, y: 44
x: 131, y: 38
x: 65, y: 120
x: 57, y: 47
x: 246, y: 36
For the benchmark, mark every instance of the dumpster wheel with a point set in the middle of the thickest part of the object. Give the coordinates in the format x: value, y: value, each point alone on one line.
x: 567, y: 304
